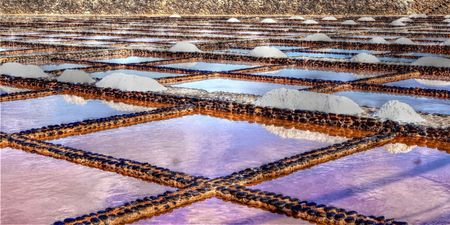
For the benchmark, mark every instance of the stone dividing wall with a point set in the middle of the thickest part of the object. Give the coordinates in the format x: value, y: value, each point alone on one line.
x: 208, y: 7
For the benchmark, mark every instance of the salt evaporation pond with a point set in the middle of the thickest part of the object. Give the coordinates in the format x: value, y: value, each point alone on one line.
x: 396, y: 60
x: 350, y: 51
x: 215, y: 211
x: 135, y: 72
x: 41, y: 190
x: 413, y: 83
x: 215, y: 67
x: 316, y: 74
x: 410, y: 186
x: 235, y: 86
x: 62, y: 66
x: 128, y: 60
x: 52, y: 110
x: 376, y: 100
x: 196, y: 144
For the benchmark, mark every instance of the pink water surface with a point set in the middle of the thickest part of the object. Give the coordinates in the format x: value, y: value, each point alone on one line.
x: 41, y: 190
x: 197, y: 144
x: 215, y: 211
x: 413, y: 187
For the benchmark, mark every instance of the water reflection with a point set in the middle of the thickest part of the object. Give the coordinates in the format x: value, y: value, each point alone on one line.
x: 199, y: 145
x: 413, y: 186
x: 49, y: 67
x: 41, y: 190
x: 235, y: 86
x: 51, y: 110
x: 376, y: 100
x: 421, y: 83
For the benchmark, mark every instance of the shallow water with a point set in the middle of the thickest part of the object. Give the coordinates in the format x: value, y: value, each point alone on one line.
x: 51, y: 110
x: 145, y: 39
x: 100, y: 37
x: 215, y: 211
x: 412, y: 186
x: 41, y: 190
x: 216, y: 67
x: 62, y: 66
x: 128, y: 60
x: 376, y: 100
x: 413, y: 83
x: 315, y: 74
x: 396, y: 60
x: 235, y: 86
x: 200, y: 145
x: 135, y: 72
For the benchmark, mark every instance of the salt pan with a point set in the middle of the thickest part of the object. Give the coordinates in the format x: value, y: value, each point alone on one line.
x: 398, y: 111
x: 175, y: 15
x: 397, y: 23
x: 75, y: 77
x: 311, y: 101
x: 21, y: 70
x: 432, y: 61
x: 267, y: 52
x: 317, y: 37
x: 128, y: 82
x: 184, y: 46
x: 365, y: 58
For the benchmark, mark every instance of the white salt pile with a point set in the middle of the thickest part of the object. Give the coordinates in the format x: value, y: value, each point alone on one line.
x: 268, y: 20
x: 311, y: 101
x: 365, y: 58
x: 75, y: 77
x: 349, y: 22
x: 433, y: 82
x: 175, y: 15
x: 446, y: 20
x: 418, y: 15
x: 366, y: 19
x: 397, y: 148
x: 447, y: 17
x: 184, y: 46
x: 21, y: 70
x: 128, y: 82
x: 404, y: 41
x: 405, y: 19
x: 120, y: 106
x: 397, y: 23
x: 447, y: 42
x: 233, y: 20
x: 317, y: 37
x: 378, y: 40
x: 296, y: 18
x: 75, y: 100
x: 304, y: 135
x: 267, y: 52
x: 432, y: 61
x: 398, y: 111
x: 329, y: 18
x: 310, y: 22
